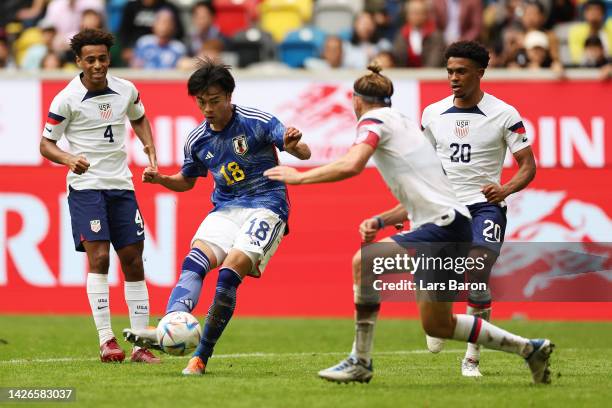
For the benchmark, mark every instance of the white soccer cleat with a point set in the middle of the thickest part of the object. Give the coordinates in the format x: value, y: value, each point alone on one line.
x: 538, y: 360
x: 348, y: 370
x: 434, y: 344
x: 146, y: 337
x: 469, y: 368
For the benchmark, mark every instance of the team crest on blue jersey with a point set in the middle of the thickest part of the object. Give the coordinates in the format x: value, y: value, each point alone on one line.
x: 462, y: 128
x: 240, y: 145
x: 95, y: 225
x: 106, y: 111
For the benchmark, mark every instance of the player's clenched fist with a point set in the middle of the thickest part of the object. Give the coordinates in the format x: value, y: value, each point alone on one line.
x: 150, y: 175
x: 291, y: 138
x: 368, y: 229
x: 494, y: 193
x: 78, y: 164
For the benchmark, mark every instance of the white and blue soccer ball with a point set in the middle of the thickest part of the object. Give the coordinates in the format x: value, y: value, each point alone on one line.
x: 179, y: 333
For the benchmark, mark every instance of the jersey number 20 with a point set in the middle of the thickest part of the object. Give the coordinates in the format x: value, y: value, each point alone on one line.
x: 461, y: 153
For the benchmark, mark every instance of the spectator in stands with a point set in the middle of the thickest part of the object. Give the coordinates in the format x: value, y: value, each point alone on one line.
x: 385, y: 59
x: 364, y: 44
x: 51, y: 60
x: 6, y: 61
x: 211, y: 49
x: 66, y: 16
x: 138, y: 19
x: 159, y: 50
x: 419, y: 43
x: 202, y: 27
x: 331, y: 57
x: 32, y: 59
x: 459, y: 20
x: 534, y: 18
x: 594, y: 13
x: 560, y: 11
x: 536, y: 54
x: 499, y: 17
x: 595, y: 57
x: 26, y: 12
x: 92, y: 19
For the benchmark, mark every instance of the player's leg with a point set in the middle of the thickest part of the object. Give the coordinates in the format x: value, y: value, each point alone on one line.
x: 488, y: 229
x: 91, y: 235
x: 255, y: 242
x: 209, y: 246
x: 438, y: 321
x: 358, y: 365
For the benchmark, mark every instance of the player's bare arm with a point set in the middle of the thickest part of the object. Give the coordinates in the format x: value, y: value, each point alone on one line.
x: 177, y: 182
x: 370, y: 226
x: 294, y: 146
x: 50, y: 150
x: 527, y: 170
x: 349, y: 165
x: 142, y: 128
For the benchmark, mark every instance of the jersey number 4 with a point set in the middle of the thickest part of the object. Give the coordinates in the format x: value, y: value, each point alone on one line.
x: 108, y: 133
x: 461, y: 153
x: 232, y: 173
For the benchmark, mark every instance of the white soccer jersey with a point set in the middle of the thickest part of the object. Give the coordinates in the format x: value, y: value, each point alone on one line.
x: 410, y: 167
x: 472, y: 142
x: 94, y: 125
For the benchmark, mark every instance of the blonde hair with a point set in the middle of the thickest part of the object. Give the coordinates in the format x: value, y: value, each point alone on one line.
x: 374, y: 87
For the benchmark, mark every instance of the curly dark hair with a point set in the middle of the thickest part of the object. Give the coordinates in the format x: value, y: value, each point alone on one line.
x: 91, y: 37
x: 209, y: 73
x: 470, y: 50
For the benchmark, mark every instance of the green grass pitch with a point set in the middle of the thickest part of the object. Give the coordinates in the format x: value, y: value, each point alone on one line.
x: 273, y: 363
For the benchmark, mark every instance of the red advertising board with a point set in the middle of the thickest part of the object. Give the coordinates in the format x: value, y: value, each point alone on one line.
x: 310, y: 274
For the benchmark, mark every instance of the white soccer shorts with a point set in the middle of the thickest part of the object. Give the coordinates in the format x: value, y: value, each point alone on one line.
x: 255, y: 231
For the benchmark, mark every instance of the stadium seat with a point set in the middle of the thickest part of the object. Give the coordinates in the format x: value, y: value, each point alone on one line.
x: 252, y: 45
x: 335, y: 16
x: 234, y: 15
x: 278, y: 17
x: 301, y: 44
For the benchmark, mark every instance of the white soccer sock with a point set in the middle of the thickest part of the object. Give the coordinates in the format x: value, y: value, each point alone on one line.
x: 137, y: 299
x: 473, y: 350
x: 364, y: 334
x: 97, y: 293
x: 476, y: 330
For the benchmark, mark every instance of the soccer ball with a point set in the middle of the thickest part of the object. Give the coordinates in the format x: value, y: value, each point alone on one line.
x: 178, y: 333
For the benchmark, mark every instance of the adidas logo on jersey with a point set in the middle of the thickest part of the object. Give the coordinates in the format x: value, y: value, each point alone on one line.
x: 209, y: 156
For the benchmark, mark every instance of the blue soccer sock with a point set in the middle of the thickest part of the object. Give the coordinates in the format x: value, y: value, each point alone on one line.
x: 186, y: 293
x: 219, y: 313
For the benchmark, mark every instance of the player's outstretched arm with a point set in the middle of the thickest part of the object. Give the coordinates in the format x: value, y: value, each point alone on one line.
x: 142, y: 128
x: 349, y: 165
x: 527, y: 170
x: 50, y: 150
x: 177, y: 182
x: 370, y: 226
x: 294, y: 146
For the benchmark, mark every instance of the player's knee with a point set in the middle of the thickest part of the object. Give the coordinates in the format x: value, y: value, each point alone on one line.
x: 100, y: 261
x: 437, y: 327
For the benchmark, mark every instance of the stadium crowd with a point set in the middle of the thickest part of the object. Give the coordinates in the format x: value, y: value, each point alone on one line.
x: 311, y: 34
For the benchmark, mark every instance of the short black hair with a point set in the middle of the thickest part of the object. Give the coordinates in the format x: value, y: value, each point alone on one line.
x: 593, y: 40
x: 470, y: 50
x: 597, y: 3
x: 209, y: 73
x: 91, y: 37
x: 207, y: 4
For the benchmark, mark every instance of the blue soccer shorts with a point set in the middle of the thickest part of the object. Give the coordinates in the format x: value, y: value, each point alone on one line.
x: 488, y: 225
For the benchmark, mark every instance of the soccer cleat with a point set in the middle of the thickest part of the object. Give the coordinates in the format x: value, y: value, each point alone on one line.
x: 469, y: 368
x: 350, y: 369
x: 111, y: 352
x: 142, y: 355
x: 538, y: 360
x: 195, y: 366
x: 145, y: 338
x: 434, y: 344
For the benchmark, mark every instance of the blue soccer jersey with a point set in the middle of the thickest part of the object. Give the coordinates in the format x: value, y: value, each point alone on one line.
x: 237, y: 156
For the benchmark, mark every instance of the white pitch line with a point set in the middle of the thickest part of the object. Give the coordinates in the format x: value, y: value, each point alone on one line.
x: 229, y: 356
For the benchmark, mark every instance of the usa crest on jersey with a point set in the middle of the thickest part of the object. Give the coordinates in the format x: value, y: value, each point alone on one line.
x: 240, y: 145
x: 95, y: 225
x: 462, y: 128
x: 106, y: 111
